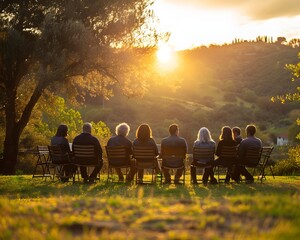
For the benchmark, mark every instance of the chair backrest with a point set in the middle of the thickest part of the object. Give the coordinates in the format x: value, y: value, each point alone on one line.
x: 265, y: 155
x: 117, y: 156
x: 144, y: 156
x: 229, y: 153
x: 84, y: 154
x: 253, y: 155
x: 57, y: 155
x: 202, y: 155
x: 42, y: 150
x: 173, y: 157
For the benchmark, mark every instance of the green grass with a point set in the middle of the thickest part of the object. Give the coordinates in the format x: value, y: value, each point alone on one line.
x: 35, y: 209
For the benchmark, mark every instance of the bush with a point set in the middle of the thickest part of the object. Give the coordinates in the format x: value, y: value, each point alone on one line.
x: 291, y: 165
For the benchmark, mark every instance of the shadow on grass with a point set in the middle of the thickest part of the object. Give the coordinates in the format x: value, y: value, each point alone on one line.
x: 26, y: 187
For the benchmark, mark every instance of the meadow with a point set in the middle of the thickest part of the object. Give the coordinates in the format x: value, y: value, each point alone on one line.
x: 37, y: 209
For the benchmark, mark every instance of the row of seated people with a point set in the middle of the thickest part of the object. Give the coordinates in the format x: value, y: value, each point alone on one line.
x: 144, y: 137
x: 228, y: 138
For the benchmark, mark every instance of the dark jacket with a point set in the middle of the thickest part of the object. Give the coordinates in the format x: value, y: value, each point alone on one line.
x: 171, y: 144
x: 150, y: 142
x: 223, y: 143
x: 120, y: 141
x: 247, y: 143
x: 88, y: 139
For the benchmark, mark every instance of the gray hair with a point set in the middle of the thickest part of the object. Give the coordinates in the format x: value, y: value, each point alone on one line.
x: 122, y: 129
x: 87, y: 127
x: 204, y: 135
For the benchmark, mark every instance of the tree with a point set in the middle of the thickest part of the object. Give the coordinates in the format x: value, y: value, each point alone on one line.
x: 295, y: 96
x: 55, y: 45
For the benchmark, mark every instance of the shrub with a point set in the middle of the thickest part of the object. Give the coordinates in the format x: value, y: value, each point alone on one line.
x: 291, y: 165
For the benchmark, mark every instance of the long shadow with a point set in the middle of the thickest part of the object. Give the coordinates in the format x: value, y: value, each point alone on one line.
x: 25, y: 187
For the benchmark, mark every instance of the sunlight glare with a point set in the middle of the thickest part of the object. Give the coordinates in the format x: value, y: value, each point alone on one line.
x: 164, y: 54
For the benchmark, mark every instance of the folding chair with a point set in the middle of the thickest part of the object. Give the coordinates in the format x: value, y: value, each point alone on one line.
x: 117, y: 157
x: 252, y: 158
x: 145, y: 159
x: 173, y: 158
x: 201, y: 158
x: 264, y: 162
x: 229, y: 156
x: 85, y: 156
x: 59, y: 159
x: 42, y: 162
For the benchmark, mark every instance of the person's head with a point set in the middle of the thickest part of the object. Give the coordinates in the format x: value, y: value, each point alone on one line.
x: 236, y: 131
x: 173, y: 129
x: 144, y: 132
x: 226, y: 133
x: 62, y: 131
x: 87, y: 127
x: 204, y: 135
x: 122, y: 129
x: 250, y: 130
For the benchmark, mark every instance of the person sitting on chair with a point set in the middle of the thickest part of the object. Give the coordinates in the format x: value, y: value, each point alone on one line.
x: 204, y: 140
x: 144, y: 139
x: 61, y: 140
x: 249, y: 142
x: 122, y: 131
x: 237, y: 134
x: 226, y: 139
x: 170, y: 146
x: 86, y: 138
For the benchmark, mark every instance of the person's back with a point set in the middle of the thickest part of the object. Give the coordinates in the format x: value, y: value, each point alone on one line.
x: 144, y: 139
x: 86, y: 138
x: 200, y: 144
x: 173, y: 145
x: 120, y: 139
x: 250, y: 142
x: 226, y: 140
x: 237, y: 134
x: 61, y: 140
x: 204, y: 140
x: 146, y: 143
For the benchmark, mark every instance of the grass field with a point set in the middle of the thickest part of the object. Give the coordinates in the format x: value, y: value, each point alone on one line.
x: 35, y: 209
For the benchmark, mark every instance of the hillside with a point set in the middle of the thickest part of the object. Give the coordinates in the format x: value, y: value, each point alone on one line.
x: 212, y: 87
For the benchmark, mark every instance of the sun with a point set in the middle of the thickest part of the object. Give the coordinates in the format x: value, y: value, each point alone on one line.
x: 164, y: 54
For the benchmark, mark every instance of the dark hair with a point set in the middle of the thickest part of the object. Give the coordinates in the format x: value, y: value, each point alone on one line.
x: 226, y: 133
x: 251, y: 130
x: 173, y: 128
x: 144, y: 132
x: 236, y: 130
x: 62, y: 131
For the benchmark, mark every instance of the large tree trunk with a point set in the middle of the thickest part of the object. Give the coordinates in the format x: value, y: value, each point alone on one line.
x: 10, y: 154
x: 14, y: 130
x: 11, y: 141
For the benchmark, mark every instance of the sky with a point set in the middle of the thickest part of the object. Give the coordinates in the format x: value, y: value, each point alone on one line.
x: 194, y: 23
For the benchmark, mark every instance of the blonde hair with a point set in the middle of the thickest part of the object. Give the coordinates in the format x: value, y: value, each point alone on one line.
x: 204, y: 135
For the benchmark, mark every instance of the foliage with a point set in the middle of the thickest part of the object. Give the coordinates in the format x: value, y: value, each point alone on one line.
x: 78, y: 48
x: 291, y: 165
x: 295, y: 96
x: 102, y: 132
x: 32, y: 208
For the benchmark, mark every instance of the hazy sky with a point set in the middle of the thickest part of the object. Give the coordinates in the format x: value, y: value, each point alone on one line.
x: 202, y: 22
